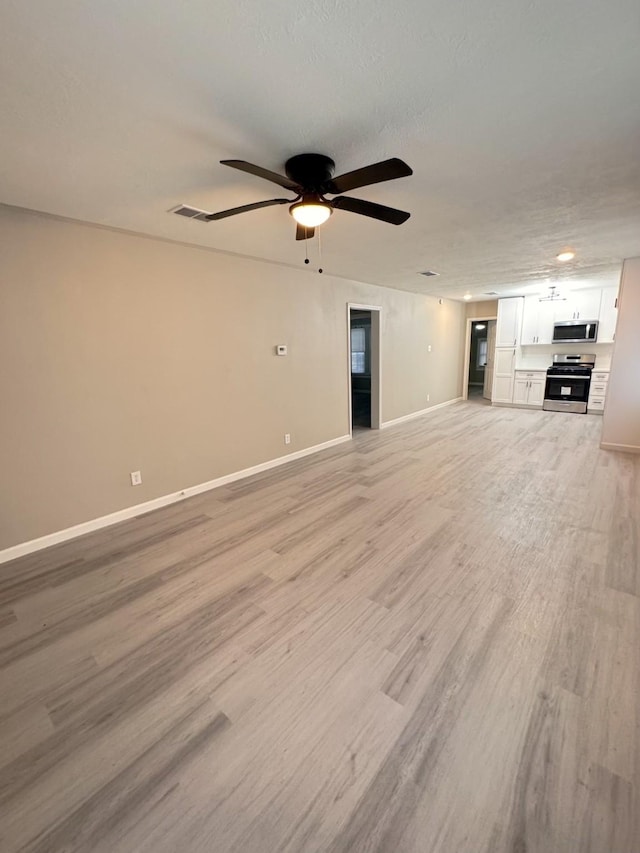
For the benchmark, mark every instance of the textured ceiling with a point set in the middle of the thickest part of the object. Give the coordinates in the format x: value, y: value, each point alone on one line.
x: 521, y: 122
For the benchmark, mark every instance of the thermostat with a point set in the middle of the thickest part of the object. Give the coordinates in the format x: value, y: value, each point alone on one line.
x: 281, y: 349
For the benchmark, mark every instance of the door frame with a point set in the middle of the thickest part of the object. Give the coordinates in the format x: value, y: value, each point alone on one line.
x: 376, y: 363
x: 492, y: 332
x: 467, y: 352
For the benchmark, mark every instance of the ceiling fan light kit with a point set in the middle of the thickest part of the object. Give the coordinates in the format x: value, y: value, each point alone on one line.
x: 310, y: 176
x: 311, y: 212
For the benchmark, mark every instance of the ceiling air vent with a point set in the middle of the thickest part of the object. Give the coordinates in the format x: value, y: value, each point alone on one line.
x: 190, y: 212
x: 491, y: 293
x: 429, y: 273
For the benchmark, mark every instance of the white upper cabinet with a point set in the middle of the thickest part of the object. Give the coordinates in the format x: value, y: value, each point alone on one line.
x: 509, y: 321
x: 537, y: 321
x: 579, y: 305
x: 608, y: 315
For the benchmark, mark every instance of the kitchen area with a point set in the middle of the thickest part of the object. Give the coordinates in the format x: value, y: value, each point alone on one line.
x: 553, y: 349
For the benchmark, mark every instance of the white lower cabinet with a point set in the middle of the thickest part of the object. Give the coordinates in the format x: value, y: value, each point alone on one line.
x: 502, y: 389
x: 597, y: 392
x: 528, y: 388
x: 536, y: 392
x: 503, y: 363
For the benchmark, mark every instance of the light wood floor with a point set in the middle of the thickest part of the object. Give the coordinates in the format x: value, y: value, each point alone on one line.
x: 424, y: 640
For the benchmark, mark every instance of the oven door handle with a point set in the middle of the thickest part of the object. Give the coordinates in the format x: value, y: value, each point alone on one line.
x: 556, y: 376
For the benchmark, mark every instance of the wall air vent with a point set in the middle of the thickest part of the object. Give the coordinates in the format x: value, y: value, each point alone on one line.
x: 190, y: 212
x: 429, y: 273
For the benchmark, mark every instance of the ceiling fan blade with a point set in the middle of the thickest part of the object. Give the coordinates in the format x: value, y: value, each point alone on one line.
x: 259, y: 172
x: 368, y: 208
x: 246, y: 208
x: 386, y: 170
x: 304, y: 233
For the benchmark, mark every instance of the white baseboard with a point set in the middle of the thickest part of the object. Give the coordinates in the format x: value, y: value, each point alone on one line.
x: 621, y: 448
x: 419, y: 414
x: 139, y: 509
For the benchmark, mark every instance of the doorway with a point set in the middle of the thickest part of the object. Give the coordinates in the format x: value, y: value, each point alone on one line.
x: 364, y: 366
x: 479, y: 355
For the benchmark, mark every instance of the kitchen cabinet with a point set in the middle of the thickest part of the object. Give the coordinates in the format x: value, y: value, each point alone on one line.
x: 508, y: 328
x: 597, y: 392
x: 594, y: 304
x: 509, y: 321
x: 528, y: 388
x: 579, y: 305
x: 503, y: 364
x: 537, y: 321
x: 608, y: 315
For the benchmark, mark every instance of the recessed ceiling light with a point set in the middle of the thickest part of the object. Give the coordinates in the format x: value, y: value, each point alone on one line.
x: 467, y: 297
x: 566, y: 256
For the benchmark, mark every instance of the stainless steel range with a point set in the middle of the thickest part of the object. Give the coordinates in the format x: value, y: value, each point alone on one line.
x: 568, y: 380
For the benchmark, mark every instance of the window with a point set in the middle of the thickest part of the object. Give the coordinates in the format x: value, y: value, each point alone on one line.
x: 482, y: 353
x: 358, y: 351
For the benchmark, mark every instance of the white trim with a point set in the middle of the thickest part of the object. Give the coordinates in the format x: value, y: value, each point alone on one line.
x: 419, y: 414
x: 622, y: 448
x: 467, y: 352
x: 359, y: 306
x: 376, y: 366
x: 139, y: 509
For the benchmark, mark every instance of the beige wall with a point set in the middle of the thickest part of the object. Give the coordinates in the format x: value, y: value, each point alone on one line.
x: 481, y: 309
x: 120, y: 353
x: 621, y: 422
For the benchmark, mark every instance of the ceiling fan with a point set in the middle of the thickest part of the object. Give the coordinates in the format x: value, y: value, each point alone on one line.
x: 310, y: 176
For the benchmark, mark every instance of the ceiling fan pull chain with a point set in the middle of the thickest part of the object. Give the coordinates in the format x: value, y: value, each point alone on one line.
x: 306, y: 245
x: 319, y: 250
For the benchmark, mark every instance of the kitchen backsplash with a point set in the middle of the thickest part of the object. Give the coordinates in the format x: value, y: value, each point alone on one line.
x: 539, y: 357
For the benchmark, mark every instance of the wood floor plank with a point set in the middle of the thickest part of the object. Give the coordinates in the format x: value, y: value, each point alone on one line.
x: 426, y: 640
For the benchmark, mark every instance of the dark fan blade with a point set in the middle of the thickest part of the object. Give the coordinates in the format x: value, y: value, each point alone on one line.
x: 368, y: 208
x: 303, y: 233
x: 246, y: 207
x: 259, y: 172
x: 387, y: 170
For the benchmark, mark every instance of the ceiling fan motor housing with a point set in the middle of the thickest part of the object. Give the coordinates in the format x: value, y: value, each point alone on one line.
x: 311, y: 171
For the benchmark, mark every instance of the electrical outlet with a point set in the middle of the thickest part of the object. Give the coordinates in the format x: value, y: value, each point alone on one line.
x: 428, y: 397
x: 429, y: 348
x: 287, y: 438
x: 136, y: 478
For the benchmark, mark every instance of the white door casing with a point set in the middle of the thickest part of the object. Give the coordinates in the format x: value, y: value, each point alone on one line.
x: 488, y: 370
x: 376, y: 362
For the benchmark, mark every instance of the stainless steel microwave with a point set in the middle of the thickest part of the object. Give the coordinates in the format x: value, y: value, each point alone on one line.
x: 572, y: 332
